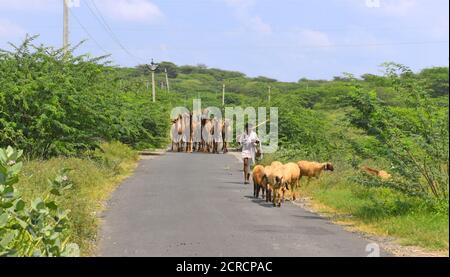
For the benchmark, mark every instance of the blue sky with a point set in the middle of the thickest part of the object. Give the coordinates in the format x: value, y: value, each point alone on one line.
x: 283, y: 39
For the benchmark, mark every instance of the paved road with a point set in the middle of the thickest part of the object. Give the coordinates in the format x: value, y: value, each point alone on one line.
x: 196, y: 205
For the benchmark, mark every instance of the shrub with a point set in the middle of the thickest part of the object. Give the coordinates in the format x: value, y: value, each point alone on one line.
x: 31, y: 229
x: 414, y: 136
x: 55, y: 104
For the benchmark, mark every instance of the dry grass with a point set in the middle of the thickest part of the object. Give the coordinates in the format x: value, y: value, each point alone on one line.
x: 94, y: 178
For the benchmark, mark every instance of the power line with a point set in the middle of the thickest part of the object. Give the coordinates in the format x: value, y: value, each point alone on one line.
x: 101, y: 20
x: 87, y: 32
x: 275, y: 46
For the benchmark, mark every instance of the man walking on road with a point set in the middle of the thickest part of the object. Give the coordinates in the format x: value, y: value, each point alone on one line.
x: 248, y: 140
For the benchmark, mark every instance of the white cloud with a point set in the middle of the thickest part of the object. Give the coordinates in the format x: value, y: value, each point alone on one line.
x: 256, y: 24
x: 29, y: 5
x: 308, y: 37
x: 10, y: 30
x: 240, y: 4
x: 142, y: 11
x: 398, y: 7
x: 440, y: 29
x: 251, y: 22
x: 413, y: 19
x: 163, y: 47
x: 124, y: 10
x: 385, y: 7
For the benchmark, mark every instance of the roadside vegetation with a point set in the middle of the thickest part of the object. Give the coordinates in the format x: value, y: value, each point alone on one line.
x: 396, y: 122
x: 94, y: 175
x: 83, y: 114
x: 84, y: 184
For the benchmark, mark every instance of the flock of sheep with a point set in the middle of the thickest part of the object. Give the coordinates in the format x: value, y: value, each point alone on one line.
x: 275, y: 179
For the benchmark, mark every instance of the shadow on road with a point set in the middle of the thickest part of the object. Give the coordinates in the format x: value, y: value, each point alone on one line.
x: 309, y: 217
x: 260, y: 201
x: 234, y: 183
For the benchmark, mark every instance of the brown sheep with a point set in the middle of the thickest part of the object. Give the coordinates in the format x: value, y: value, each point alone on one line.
x: 269, y: 188
x: 291, y: 173
x: 276, y: 163
x: 259, y: 181
x: 277, y: 184
x: 313, y: 169
x: 380, y: 173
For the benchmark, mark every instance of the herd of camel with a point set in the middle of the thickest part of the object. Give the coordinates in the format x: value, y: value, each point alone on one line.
x: 274, y: 180
x: 201, y: 134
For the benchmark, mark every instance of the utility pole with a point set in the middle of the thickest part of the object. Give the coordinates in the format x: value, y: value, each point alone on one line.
x: 223, y: 95
x: 66, y: 26
x: 153, y: 67
x: 270, y: 92
x: 167, y: 81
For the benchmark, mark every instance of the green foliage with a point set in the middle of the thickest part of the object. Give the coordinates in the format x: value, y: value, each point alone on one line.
x: 415, y: 136
x: 112, y: 155
x: 93, y: 176
x: 38, y: 228
x: 436, y: 80
x: 55, y: 104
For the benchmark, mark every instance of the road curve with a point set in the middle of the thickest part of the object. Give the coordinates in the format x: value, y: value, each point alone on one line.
x: 196, y: 205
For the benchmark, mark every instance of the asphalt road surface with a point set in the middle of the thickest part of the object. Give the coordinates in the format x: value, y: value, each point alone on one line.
x: 196, y: 205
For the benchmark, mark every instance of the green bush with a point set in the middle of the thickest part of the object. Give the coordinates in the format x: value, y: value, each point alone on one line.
x: 93, y: 176
x: 414, y: 136
x: 38, y: 228
x: 55, y: 104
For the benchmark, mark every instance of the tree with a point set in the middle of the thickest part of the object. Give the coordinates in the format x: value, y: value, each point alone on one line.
x: 436, y: 79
